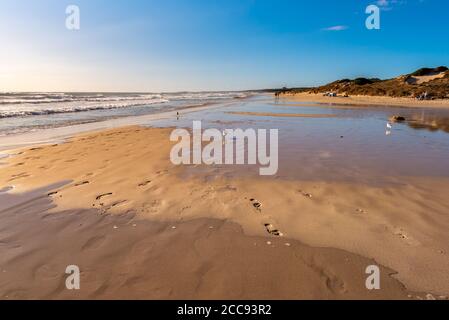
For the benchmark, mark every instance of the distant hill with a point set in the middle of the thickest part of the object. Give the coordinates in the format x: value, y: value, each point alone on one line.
x: 429, y: 83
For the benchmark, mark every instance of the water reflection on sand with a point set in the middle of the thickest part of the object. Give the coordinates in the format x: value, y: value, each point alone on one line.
x: 350, y: 145
x: 430, y: 122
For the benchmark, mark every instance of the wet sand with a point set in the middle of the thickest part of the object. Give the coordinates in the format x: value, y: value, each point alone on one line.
x: 124, y: 257
x: 123, y: 177
x: 366, y: 101
x: 282, y: 115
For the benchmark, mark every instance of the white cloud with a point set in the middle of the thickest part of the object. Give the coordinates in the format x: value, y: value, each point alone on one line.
x: 336, y: 28
x: 387, y: 5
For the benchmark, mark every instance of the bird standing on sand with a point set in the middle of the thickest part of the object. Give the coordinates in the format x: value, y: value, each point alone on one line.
x: 389, y: 127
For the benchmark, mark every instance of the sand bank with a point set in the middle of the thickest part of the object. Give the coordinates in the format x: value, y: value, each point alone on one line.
x: 283, y: 115
x: 126, y: 172
x: 366, y: 101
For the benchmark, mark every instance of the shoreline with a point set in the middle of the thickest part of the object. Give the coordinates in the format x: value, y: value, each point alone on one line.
x: 44, y: 136
x: 368, y: 101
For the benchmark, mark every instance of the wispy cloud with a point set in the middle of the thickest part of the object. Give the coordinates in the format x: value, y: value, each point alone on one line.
x: 336, y: 28
x: 387, y: 5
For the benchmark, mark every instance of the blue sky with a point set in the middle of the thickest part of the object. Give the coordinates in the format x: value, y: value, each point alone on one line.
x: 173, y: 45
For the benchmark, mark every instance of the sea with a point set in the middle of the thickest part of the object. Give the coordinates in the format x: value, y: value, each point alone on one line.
x: 24, y: 112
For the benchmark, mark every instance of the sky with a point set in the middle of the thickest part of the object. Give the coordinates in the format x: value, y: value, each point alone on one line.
x: 193, y: 45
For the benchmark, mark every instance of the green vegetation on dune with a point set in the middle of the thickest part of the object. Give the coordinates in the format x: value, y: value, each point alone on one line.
x: 427, y: 71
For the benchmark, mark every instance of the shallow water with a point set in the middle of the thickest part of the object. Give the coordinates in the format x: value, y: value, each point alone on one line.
x: 352, y: 145
x: 24, y: 112
x: 355, y: 145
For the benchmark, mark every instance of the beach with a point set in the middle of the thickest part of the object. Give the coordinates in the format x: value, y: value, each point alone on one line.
x: 213, y: 159
x: 139, y: 227
x: 127, y: 257
x: 367, y: 100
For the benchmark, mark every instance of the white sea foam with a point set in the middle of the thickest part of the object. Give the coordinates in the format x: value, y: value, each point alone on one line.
x: 29, y: 104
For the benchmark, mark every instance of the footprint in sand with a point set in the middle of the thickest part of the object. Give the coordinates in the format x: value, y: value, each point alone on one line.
x: 272, y: 230
x: 118, y: 203
x: 101, y: 204
x: 19, y: 176
x: 399, y: 232
x: 335, y: 284
x: 305, y: 194
x: 103, y: 195
x: 81, y: 183
x: 256, y: 204
x: 104, y: 208
x: 152, y: 207
x: 145, y: 183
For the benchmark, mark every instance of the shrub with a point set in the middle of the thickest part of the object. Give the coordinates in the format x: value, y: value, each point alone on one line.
x: 363, y: 81
x: 426, y: 71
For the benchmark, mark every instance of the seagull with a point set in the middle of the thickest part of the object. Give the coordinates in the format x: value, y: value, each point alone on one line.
x: 389, y: 128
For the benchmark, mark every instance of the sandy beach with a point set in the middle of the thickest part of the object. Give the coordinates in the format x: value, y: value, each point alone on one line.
x: 127, y: 257
x: 113, y: 203
x: 367, y: 100
x: 216, y: 159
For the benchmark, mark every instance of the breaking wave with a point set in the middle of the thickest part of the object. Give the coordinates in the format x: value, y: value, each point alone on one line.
x: 31, y: 104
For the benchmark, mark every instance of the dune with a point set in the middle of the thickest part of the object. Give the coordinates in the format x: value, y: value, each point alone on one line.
x: 425, y: 78
x: 363, y: 100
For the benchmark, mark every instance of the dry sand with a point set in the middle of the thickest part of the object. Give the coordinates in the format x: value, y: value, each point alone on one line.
x: 424, y: 79
x: 123, y: 177
x: 366, y: 100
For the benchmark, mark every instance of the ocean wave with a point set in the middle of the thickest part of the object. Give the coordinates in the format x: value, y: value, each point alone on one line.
x: 61, y: 98
x: 33, y: 111
x: 207, y: 95
x: 45, y: 103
